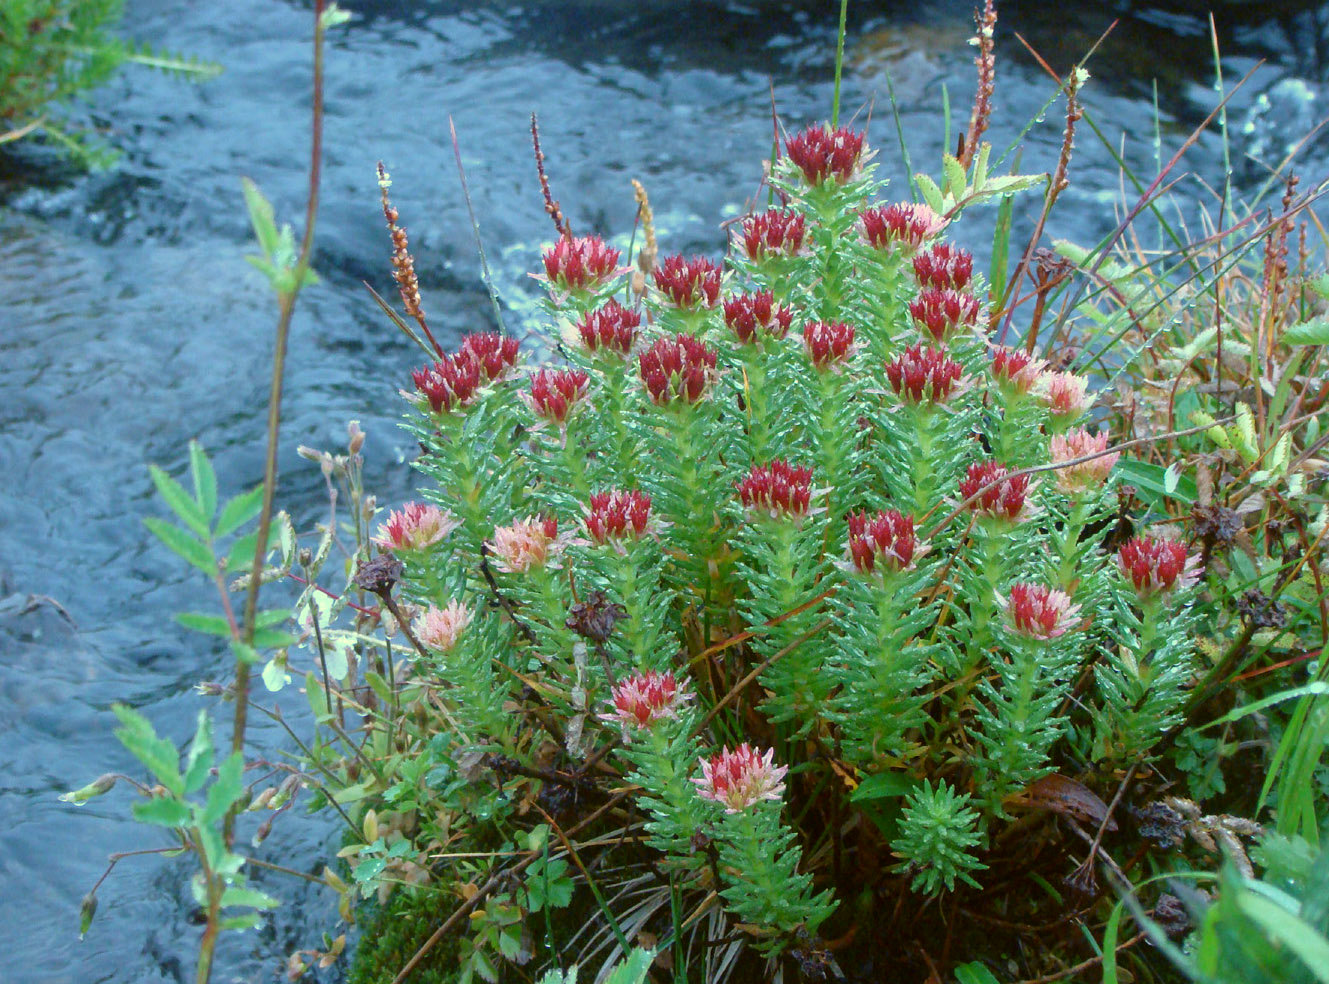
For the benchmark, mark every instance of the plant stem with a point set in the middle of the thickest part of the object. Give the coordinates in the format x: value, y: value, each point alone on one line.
x: 839, y: 64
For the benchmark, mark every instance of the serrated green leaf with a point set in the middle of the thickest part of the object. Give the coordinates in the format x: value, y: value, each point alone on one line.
x: 183, y: 545
x: 158, y: 755
x: 243, y: 652
x: 930, y: 192
x: 981, y: 164
x: 633, y: 970
x: 163, y: 812
x: 179, y: 501
x: 1308, y: 333
x: 228, y: 788
x: 241, y: 555
x: 205, y: 480
x: 974, y: 973
x: 262, y: 218
x: 208, y: 624
x: 198, y: 763
x: 248, y: 896
x: 272, y: 639
x: 955, y: 176
x: 239, y: 510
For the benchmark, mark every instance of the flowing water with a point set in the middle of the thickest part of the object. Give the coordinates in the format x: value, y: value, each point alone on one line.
x: 130, y: 323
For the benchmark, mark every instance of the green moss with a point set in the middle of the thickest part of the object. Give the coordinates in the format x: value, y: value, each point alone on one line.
x: 393, y: 933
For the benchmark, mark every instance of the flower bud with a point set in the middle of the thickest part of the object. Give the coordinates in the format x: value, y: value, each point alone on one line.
x: 86, y: 910
x: 356, y: 436
x: 823, y: 154
x: 99, y: 786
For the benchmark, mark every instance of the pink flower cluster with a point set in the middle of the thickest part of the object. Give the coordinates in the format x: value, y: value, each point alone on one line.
x: 1156, y: 567
x: 778, y: 490
x: 883, y: 540
x: 942, y: 313
x: 902, y: 226
x: 822, y: 153
x: 646, y: 698
x: 1039, y: 612
x: 1065, y: 393
x: 680, y: 368
x: 494, y: 353
x: 440, y: 628
x: 618, y: 515
x: 415, y: 526
x: 525, y: 545
x: 748, y: 314
x: 1014, y: 371
x: 1003, y: 500
x: 774, y: 233
x: 580, y: 264
x: 556, y: 392
x: 1087, y: 475
x: 944, y: 267
x: 740, y: 778
x: 687, y: 284
x: 828, y: 343
x: 610, y: 327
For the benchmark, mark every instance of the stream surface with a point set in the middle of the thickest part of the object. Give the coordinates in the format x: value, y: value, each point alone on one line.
x: 130, y: 323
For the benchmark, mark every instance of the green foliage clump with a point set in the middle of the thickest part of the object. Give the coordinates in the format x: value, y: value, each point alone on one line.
x: 938, y: 830
x: 391, y: 935
x: 53, y: 50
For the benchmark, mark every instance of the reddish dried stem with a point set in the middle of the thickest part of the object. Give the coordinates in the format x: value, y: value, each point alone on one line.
x: 551, y: 205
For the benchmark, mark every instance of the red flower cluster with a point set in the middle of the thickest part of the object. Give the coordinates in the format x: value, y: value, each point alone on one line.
x: 746, y: 313
x: 778, y: 232
x: 690, y: 283
x: 495, y: 353
x: 1156, y: 567
x: 554, y: 392
x: 822, y: 153
x: 828, y: 342
x: 778, y: 490
x: 610, y: 326
x: 885, y: 538
x: 945, y: 267
x: 642, y: 700
x: 618, y: 515
x: 902, y: 226
x: 580, y: 264
x: 942, y: 313
x: 1004, y: 500
x: 452, y: 381
x: 678, y: 368
x: 920, y: 375
x: 1039, y: 612
x: 1015, y: 371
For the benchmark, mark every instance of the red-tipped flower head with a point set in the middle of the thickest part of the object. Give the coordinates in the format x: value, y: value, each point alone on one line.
x: 618, y: 515
x: 943, y: 313
x: 1038, y: 612
x: 1014, y: 371
x: 945, y: 267
x: 526, y: 544
x: 495, y: 353
x: 646, y: 698
x: 822, y: 153
x: 451, y: 382
x: 1087, y: 476
x: 748, y: 314
x: 674, y: 369
x: 776, y: 233
x: 1157, y: 566
x: 580, y: 264
x: 828, y: 343
x: 921, y: 376
x: 1066, y: 394
x: 415, y: 526
x: 882, y: 541
x: 687, y: 284
x: 778, y: 490
x: 555, y: 393
x: 1003, y: 500
x: 610, y: 327
x: 740, y: 778
x: 903, y: 227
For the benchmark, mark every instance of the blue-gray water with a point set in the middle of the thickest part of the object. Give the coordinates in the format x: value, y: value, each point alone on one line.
x: 129, y: 321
